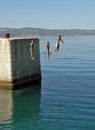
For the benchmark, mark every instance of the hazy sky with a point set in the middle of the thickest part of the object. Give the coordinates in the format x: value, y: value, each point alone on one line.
x: 48, y: 14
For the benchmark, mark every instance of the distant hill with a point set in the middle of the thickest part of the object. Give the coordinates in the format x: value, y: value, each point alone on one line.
x: 29, y: 31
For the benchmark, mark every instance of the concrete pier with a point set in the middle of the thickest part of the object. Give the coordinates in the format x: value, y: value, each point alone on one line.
x: 19, y: 61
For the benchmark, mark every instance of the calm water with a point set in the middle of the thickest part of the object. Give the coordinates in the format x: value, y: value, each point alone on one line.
x: 65, y: 98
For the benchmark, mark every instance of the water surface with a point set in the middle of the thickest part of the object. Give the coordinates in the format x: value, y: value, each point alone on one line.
x: 65, y: 98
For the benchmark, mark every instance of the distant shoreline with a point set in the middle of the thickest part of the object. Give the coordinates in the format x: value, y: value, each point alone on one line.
x: 29, y: 31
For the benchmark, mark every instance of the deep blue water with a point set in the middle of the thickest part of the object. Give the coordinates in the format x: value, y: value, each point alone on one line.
x: 65, y: 98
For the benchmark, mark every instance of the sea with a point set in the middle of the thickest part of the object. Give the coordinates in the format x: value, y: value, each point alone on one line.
x: 65, y: 97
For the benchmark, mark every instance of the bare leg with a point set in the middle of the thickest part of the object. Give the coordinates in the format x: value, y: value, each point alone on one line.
x: 31, y: 51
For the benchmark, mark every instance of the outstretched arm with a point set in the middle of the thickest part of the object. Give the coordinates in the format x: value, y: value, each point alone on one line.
x: 62, y: 41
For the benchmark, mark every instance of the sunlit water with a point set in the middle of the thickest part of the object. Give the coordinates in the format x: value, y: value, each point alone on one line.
x: 65, y: 98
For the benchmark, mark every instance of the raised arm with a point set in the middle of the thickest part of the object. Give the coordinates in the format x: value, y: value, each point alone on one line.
x: 62, y: 41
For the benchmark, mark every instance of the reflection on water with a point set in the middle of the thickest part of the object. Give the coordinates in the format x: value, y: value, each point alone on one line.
x: 27, y: 103
x: 6, y: 106
x: 20, y: 105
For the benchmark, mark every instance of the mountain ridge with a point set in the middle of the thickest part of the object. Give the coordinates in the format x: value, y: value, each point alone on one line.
x: 30, y: 31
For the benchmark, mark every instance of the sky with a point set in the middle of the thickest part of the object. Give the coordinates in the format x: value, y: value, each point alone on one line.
x: 48, y: 14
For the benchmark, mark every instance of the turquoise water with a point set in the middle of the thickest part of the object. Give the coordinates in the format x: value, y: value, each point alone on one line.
x: 65, y: 98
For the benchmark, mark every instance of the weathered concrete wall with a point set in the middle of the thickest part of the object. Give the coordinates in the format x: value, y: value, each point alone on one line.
x: 16, y: 63
x: 5, y: 60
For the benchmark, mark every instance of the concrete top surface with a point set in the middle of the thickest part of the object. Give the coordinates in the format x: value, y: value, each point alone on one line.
x: 14, y: 38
